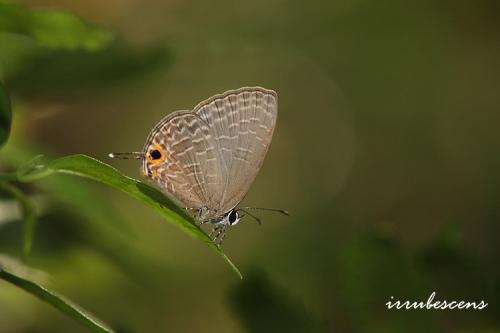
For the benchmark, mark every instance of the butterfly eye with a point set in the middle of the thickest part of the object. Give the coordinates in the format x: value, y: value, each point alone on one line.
x: 155, y: 154
x: 233, y: 217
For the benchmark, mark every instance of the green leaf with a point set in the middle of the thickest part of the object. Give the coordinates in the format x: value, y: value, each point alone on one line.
x: 74, y: 193
x: 55, y: 300
x: 29, y: 215
x: 5, y: 115
x: 52, y: 28
x: 88, y: 167
x: 33, y: 170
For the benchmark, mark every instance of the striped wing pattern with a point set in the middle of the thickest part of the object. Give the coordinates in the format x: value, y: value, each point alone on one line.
x: 214, y: 152
x: 242, y: 122
x: 190, y: 170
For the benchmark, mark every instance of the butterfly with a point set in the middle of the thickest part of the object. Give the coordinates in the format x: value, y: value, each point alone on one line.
x: 207, y: 158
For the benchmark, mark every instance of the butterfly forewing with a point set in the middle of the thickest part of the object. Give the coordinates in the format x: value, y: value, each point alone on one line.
x: 242, y: 123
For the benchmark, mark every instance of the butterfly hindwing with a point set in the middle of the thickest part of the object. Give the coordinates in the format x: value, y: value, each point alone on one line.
x: 189, y: 171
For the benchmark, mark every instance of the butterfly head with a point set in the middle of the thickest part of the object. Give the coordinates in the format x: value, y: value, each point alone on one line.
x: 232, y: 218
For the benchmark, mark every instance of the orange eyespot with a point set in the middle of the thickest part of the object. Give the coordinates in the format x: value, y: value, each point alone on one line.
x: 155, y: 154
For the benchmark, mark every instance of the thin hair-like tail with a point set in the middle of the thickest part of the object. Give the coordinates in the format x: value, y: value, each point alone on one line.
x: 127, y: 156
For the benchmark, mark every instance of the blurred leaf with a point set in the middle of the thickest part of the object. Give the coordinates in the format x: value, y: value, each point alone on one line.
x: 29, y: 215
x: 56, y: 301
x: 52, y: 28
x: 445, y: 251
x: 87, y: 167
x: 446, y: 256
x: 16, y: 51
x: 372, y: 267
x: 264, y: 307
x: 61, y: 72
x: 5, y: 115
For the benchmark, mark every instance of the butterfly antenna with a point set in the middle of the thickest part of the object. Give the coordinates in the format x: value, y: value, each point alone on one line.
x: 127, y: 156
x: 259, y: 221
x: 282, y: 211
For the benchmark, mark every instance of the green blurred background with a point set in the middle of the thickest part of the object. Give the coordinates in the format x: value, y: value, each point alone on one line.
x: 386, y: 154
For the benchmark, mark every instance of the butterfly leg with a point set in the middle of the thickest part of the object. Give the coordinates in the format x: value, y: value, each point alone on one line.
x: 219, y: 232
x: 192, y: 210
x: 222, y: 237
x: 213, y: 232
x: 196, y: 213
x: 200, y: 216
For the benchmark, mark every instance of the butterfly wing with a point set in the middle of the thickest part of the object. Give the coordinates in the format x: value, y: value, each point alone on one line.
x: 188, y: 166
x: 241, y: 123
